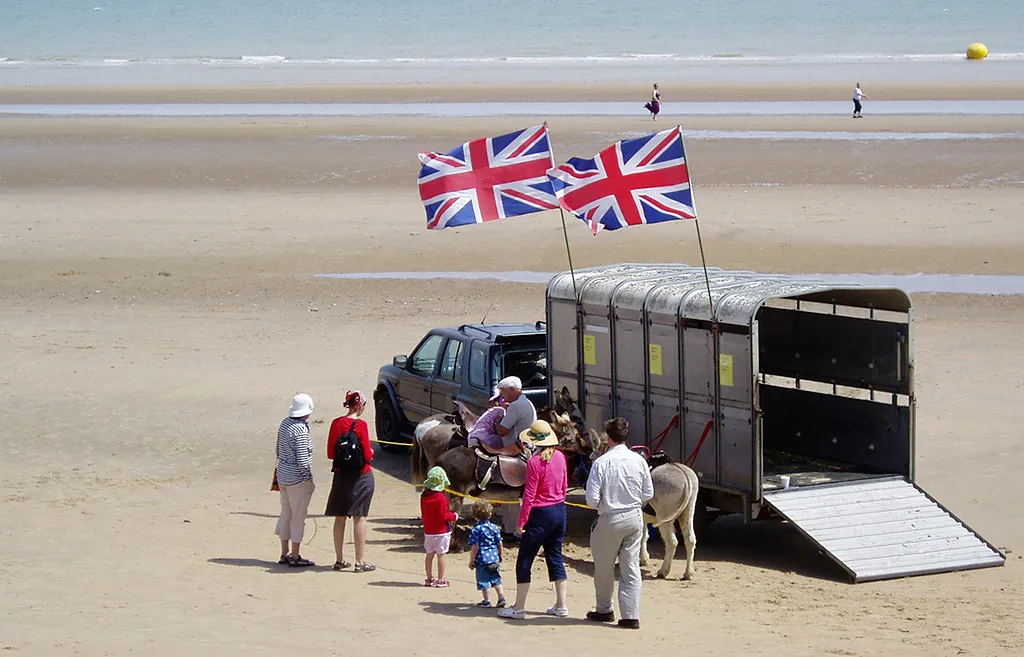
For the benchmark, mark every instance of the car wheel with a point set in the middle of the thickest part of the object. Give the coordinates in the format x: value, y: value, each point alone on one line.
x: 387, y: 426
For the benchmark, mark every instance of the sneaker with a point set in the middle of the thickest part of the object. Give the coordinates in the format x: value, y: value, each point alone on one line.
x: 601, y: 616
x: 509, y: 612
x: 484, y: 604
x: 629, y: 623
x: 501, y: 603
x: 561, y: 612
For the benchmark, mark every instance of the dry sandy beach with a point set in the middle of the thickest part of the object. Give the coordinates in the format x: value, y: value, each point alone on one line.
x: 158, y: 308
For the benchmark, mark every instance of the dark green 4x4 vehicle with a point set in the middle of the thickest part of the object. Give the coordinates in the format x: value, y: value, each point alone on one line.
x: 458, y: 363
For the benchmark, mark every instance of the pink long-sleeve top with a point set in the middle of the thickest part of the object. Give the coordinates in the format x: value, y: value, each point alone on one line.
x: 547, y: 483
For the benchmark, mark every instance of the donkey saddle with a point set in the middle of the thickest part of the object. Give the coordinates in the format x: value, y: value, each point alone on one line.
x: 499, y: 469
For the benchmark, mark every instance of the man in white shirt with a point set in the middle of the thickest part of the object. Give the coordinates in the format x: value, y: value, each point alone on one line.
x: 618, y: 487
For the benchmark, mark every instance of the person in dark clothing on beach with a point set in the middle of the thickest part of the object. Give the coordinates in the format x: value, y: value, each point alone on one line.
x: 654, y: 105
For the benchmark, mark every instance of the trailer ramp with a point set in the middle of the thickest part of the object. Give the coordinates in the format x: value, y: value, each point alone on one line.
x: 883, y: 528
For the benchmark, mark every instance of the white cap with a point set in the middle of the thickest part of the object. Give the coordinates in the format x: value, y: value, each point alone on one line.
x: 510, y: 382
x: 302, y: 405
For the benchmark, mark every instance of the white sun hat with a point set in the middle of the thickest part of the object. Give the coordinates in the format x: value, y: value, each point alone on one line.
x: 510, y: 383
x: 302, y: 405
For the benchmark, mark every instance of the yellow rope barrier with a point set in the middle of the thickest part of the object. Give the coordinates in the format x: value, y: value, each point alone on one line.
x: 402, y: 484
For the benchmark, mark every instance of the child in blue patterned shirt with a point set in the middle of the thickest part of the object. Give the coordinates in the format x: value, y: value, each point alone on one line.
x: 485, y: 557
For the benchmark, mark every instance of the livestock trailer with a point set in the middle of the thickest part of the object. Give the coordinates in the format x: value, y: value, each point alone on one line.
x: 788, y: 396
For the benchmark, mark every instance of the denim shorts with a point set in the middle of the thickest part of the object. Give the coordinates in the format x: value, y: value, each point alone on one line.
x: 487, y: 576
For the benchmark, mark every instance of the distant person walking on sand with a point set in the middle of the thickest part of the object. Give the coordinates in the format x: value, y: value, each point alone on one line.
x: 654, y: 105
x: 348, y: 447
x: 858, y: 95
x: 295, y: 478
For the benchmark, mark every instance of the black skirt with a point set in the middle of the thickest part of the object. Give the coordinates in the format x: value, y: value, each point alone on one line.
x: 350, y: 495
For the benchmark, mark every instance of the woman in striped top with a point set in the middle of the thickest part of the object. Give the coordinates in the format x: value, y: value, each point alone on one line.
x: 295, y: 478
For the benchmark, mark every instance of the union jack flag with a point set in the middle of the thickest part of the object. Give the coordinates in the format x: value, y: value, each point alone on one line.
x: 487, y: 179
x: 636, y: 181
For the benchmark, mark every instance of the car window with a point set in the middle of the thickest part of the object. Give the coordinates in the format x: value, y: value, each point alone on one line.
x: 425, y: 358
x: 529, y: 365
x: 451, y: 364
x: 478, y: 366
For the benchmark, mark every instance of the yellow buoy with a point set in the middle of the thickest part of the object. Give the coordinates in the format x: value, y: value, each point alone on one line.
x: 977, y: 51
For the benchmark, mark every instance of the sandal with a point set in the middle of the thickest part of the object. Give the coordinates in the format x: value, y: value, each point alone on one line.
x: 429, y: 581
x: 441, y: 584
x: 284, y: 560
x: 364, y: 568
x: 299, y: 562
x: 340, y: 565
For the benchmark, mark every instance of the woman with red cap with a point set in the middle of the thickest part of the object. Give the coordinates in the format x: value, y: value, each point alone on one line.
x: 352, y: 488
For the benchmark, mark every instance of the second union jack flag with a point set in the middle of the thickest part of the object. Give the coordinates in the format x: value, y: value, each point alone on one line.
x: 636, y: 181
x: 488, y: 179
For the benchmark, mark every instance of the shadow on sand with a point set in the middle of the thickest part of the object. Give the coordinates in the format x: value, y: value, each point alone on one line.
x: 268, y: 566
x: 470, y: 610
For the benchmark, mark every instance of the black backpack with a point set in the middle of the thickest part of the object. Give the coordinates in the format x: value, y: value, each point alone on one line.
x: 348, y: 453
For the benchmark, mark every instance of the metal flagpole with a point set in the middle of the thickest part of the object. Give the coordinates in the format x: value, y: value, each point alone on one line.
x: 572, y: 272
x: 565, y: 231
x: 696, y: 222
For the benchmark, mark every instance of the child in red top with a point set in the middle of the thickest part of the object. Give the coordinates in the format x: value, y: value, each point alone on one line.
x: 437, y: 528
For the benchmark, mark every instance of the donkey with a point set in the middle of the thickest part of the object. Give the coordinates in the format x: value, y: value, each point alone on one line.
x: 439, y: 433
x: 461, y: 464
x: 436, y: 434
x: 674, y: 502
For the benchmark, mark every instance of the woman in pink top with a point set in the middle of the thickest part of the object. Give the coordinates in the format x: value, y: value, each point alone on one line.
x: 542, y: 518
x: 483, y: 432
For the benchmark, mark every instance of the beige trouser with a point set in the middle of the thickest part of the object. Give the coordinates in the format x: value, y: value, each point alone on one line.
x: 294, y: 504
x: 618, y: 535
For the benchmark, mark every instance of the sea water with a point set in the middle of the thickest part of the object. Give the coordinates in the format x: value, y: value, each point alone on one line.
x: 310, y: 41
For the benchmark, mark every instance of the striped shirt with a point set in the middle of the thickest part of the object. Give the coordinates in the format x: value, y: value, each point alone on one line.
x: 294, y: 452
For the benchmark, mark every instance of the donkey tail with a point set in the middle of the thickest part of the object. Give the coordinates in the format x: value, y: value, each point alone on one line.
x: 689, y: 499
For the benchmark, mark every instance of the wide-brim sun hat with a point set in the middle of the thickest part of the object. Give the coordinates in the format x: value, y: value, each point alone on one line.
x: 437, y: 479
x: 540, y: 434
x: 302, y: 405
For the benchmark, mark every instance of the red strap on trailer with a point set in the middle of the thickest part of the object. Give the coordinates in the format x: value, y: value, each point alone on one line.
x: 660, y: 438
x: 693, y: 457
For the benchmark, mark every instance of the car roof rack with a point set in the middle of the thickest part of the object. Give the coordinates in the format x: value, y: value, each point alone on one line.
x: 464, y: 327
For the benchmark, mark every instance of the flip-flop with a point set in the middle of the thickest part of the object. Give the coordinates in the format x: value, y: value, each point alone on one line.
x: 364, y: 568
x: 339, y: 565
